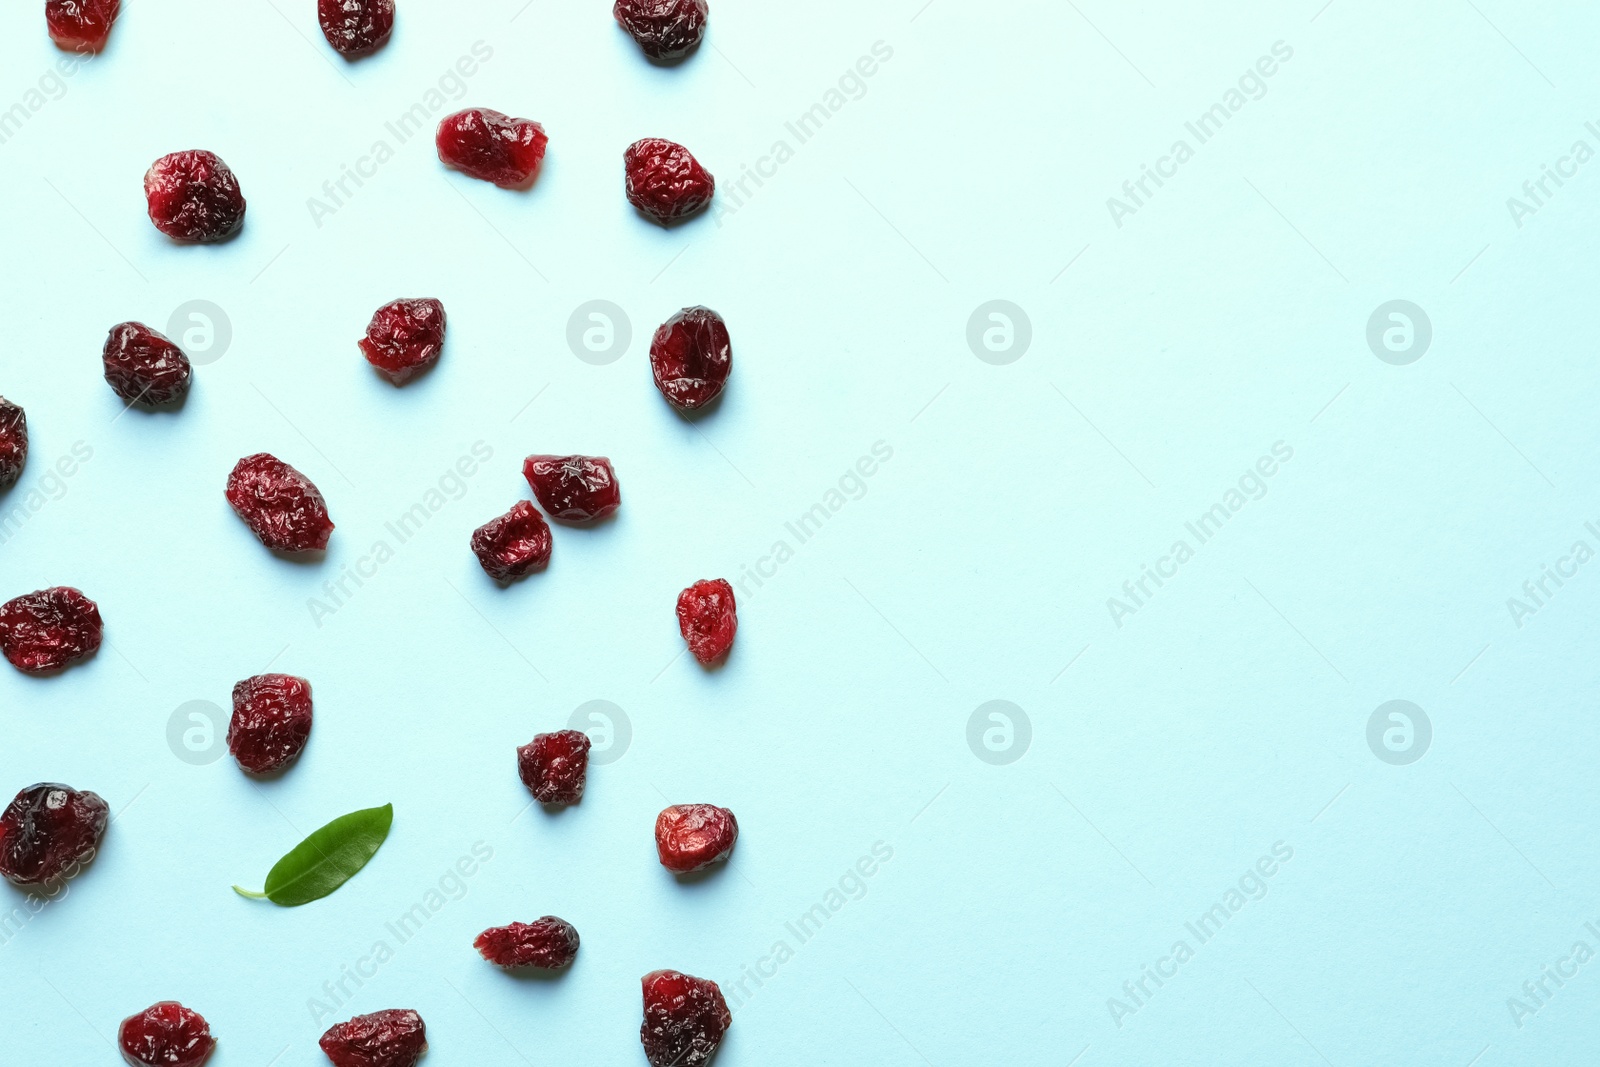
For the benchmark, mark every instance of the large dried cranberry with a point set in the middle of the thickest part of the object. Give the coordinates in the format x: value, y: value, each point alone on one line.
x: 48, y: 832
x: 404, y: 338
x: 49, y: 629
x: 165, y: 1035
x: 144, y: 367
x: 574, y: 488
x: 665, y: 29
x: 684, y: 1019
x: 708, y: 619
x: 664, y: 181
x: 81, y: 25
x: 279, y: 504
x: 548, y: 944
x: 491, y: 146
x: 692, y: 836
x: 356, y: 27
x: 193, y: 196
x: 514, y: 544
x: 691, y: 357
x: 13, y: 442
x: 271, y: 721
x: 392, y: 1038
x: 554, y: 766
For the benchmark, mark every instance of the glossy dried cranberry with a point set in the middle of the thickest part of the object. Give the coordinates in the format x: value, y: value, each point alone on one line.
x: 81, y: 25
x: 665, y: 29
x: 271, y: 721
x: 690, y: 837
x: 554, y: 766
x: 144, y: 367
x: 165, y: 1035
x: 664, y: 181
x: 574, y: 488
x: 13, y: 442
x: 691, y: 357
x: 356, y: 27
x: 708, y: 618
x: 548, y: 944
x: 48, y: 832
x: 193, y: 196
x: 684, y: 1019
x: 514, y: 544
x: 279, y: 504
x: 491, y: 146
x: 49, y: 629
x: 392, y: 1038
x: 404, y: 338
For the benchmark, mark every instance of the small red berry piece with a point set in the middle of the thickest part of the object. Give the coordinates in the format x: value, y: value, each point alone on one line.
x: 271, y: 721
x: 665, y: 29
x: 13, y: 442
x: 404, y: 338
x: 356, y: 27
x: 193, y: 196
x: 684, y: 1019
x: 708, y: 619
x: 165, y: 1035
x: 279, y: 504
x: 48, y: 832
x: 574, y: 488
x: 554, y: 766
x: 491, y: 146
x: 514, y: 544
x: 548, y: 944
x: 49, y: 629
x: 691, y: 357
x: 81, y: 25
x: 392, y: 1038
x: 664, y: 181
x: 143, y: 367
x: 690, y: 837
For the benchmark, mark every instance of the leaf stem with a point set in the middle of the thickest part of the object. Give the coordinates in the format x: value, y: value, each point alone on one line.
x: 247, y: 893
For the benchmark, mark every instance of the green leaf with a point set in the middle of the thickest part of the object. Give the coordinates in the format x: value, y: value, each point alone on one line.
x: 327, y: 859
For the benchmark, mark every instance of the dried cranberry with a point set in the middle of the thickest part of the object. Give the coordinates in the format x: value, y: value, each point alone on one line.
x: 49, y: 629
x: 392, y: 1038
x: 664, y: 181
x: 514, y: 544
x: 356, y: 27
x: 691, y: 357
x: 404, y: 338
x: 548, y: 944
x: 13, y: 442
x: 81, y: 25
x: 665, y: 29
x: 554, y: 766
x: 684, y: 1019
x: 144, y: 367
x: 193, y: 196
x: 49, y: 832
x: 708, y: 619
x: 279, y: 504
x: 165, y: 1035
x: 491, y: 146
x: 574, y: 488
x: 271, y: 721
x: 692, y: 836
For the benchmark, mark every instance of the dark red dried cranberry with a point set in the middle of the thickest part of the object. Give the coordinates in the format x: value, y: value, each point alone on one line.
x: 708, y: 618
x: 271, y: 721
x: 144, y: 367
x: 404, y: 338
x: 491, y: 146
x: 514, y: 544
x: 664, y: 181
x: 692, y: 836
x: 691, y: 357
x: 49, y: 832
x: 392, y: 1038
x: 13, y: 442
x: 81, y: 25
x: 193, y: 196
x: 356, y: 27
x: 665, y: 29
x: 548, y: 944
x: 165, y: 1035
x: 279, y: 504
x: 574, y: 488
x: 684, y: 1019
x: 49, y: 629
x: 554, y: 766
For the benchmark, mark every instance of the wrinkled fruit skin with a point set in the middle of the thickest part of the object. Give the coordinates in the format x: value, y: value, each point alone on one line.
x: 515, y: 544
x: 404, y: 338
x: 48, y: 832
x: 165, y: 1035
x: 144, y: 367
x: 81, y: 25
x: 13, y: 443
x: 392, y: 1038
x: 664, y: 181
x: 548, y: 944
x: 356, y: 27
x: 554, y: 766
x: 271, y: 721
x: 492, y: 147
x: 279, y: 504
x: 665, y: 29
x: 684, y: 1019
x: 691, y: 357
x: 690, y: 837
x: 574, y: 488
x: 708, y: 618
x: 193, y: 196
x: 49, y: 629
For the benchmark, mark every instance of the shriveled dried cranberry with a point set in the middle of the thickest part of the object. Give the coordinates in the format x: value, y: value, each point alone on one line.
x: 271, y: 721
x: 165, y: 1035
x: 664, y: 181
x: 665, y: 29
x: 548, y: 944
x: 491, y: 146
x: 574, y: 488
x: 279, y: 504
x: 554, y: 766
x: 691, y: 357
x: 404, y: 338
x: 708, y: 619
x: 144, y: 367
x: 81, y: 25
x: 49, y: 629
x: 356, y: 27
x: 193, y: 196
x: 392, y: 1038
x: 684, y: 1019
x: 48, y: 832
x: 514, y: 544
x: 692, y: 836
x: 13, y: 442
